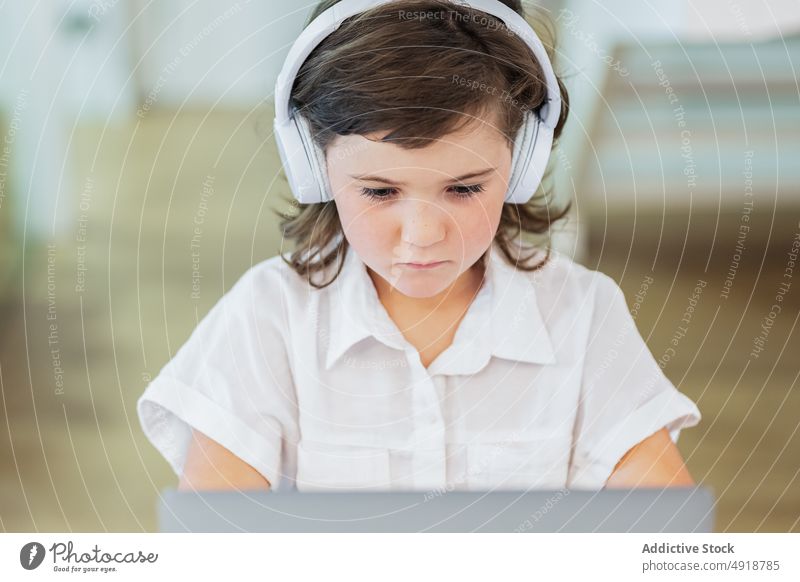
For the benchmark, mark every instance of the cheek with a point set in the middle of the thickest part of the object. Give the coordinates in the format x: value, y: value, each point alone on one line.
x: 476, y: 223
x: 366, y: 228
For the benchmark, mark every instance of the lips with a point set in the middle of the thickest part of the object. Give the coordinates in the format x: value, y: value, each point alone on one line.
x: 428, y: 265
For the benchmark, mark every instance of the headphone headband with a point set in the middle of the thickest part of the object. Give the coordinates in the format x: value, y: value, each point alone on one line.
x: 304, y: 163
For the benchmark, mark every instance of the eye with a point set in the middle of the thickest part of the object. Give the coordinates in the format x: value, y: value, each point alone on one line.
x: 464, y: 191
x: 378, y: 193
x: 461, y: 191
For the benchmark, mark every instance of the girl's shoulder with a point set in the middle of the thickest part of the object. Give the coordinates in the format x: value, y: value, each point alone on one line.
x: 562, y: 276
x: 274, y: 285
x: 274, y: 280
x: 569, y: 293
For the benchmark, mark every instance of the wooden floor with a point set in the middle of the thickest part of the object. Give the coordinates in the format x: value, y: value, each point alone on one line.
x: 101, y: 311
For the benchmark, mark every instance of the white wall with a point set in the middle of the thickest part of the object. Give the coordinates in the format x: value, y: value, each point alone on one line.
x: 198, y: 52
x: 62, y: 60
x: 31, y: 56
x: 738, y: 19
x: 96, y: 36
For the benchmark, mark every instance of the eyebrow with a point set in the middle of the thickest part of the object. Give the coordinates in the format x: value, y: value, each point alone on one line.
x: 372, y: 178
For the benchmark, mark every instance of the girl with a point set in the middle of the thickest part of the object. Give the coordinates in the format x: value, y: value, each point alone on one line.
x: 414, y: 339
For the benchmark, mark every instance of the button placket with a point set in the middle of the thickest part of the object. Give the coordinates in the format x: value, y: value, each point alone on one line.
x: 429, y: 455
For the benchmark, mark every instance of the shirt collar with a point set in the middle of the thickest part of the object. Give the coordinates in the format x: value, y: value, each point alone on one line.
x: 503, y: 319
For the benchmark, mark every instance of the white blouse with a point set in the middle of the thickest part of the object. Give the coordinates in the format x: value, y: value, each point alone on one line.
x: 546, y: 385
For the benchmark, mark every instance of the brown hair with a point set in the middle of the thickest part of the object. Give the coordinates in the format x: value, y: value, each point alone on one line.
x: 391, y: 68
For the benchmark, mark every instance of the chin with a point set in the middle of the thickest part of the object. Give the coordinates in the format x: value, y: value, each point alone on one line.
x: 417, y: 285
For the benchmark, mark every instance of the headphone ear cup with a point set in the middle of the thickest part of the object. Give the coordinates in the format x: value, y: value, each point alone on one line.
x: 294, y: 154
x: 523, y: 142
x: 316, y: 160
x: 529, y: 162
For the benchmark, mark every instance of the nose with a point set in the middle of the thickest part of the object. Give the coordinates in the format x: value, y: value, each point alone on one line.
x: 423, y: 224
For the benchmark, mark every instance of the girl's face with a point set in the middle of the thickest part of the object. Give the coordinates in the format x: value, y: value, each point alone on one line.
x: 440, y: 204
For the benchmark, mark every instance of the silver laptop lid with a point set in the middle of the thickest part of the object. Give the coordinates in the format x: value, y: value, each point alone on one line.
x: 675, y: 509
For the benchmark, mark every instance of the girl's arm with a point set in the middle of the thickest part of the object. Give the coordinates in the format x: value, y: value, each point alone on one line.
x: 654, y: 462
x: 210, y: 466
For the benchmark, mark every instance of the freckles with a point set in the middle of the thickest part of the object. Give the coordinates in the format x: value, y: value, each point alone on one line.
x: 477, y: 222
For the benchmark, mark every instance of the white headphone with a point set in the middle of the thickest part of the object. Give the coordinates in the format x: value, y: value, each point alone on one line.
x: 304, y: 162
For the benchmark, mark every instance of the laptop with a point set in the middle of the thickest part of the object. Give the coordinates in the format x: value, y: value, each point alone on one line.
x: 644, y: 510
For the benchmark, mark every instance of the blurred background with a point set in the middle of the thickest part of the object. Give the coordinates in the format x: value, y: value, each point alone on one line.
x: 125, y: 124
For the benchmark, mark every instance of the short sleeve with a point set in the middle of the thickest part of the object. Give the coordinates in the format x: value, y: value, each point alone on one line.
x: 231, y: 380
x: 625, y: 396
